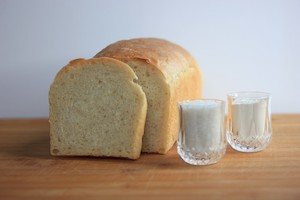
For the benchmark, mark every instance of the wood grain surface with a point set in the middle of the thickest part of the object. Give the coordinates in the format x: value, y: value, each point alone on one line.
x: 27, y: 171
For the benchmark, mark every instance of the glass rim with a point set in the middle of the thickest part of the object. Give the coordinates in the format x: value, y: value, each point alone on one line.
x: 199, y: 100
x: 250, y: 94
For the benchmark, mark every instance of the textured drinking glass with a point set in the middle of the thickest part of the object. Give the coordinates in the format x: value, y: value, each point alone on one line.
x: 249, y: 121
x: 202, y: 139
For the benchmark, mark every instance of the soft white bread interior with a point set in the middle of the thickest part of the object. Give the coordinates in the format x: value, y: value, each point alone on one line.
x: 97, y: 109
x: 167, y: 74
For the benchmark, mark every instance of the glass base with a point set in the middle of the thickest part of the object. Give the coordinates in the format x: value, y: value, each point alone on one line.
x: 254, y: 145
x: 206, y: 158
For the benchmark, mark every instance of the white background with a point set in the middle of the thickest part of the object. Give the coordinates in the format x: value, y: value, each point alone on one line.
x: 240, y: 45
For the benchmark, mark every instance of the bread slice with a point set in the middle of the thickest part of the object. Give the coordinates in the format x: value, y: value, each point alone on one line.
x: 167, y: 74
x: 96, y: 109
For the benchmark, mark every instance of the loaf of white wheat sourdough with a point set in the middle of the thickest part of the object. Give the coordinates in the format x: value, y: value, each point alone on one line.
x: 96, y: 109
x: 167, y: 74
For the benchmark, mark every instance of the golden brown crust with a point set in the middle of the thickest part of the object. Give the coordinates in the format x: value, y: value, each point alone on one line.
x: 81, y: 62
x: 169, y: 58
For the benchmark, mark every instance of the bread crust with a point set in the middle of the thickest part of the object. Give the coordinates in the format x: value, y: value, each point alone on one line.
x: 81, y: 63
x: 169, y: 58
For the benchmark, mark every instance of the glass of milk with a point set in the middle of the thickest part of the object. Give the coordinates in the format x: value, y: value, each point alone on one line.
x: 201, y: 139
x: 249, y: 121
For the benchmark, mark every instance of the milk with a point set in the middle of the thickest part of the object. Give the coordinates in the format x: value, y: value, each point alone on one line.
x: 249, y: 118
x: 203, y: 123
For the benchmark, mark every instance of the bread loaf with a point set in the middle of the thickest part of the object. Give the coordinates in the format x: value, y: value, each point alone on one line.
x: 97, y: 109
x: 167, y: 74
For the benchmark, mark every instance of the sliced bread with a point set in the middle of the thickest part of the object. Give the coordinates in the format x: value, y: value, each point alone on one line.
x: 96, y: 109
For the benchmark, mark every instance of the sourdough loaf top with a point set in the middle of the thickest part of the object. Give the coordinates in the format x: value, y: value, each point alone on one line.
x: 167, y: 57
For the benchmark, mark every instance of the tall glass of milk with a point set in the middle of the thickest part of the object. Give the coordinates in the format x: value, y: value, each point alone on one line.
x: 201, y: 139
x: 249, y: 121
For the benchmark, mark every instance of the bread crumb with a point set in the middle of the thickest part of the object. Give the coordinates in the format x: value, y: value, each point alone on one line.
x: 55, y: 151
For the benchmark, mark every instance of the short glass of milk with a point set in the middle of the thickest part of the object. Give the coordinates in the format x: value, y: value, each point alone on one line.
x: 249, y: 121
x: 202, y: 138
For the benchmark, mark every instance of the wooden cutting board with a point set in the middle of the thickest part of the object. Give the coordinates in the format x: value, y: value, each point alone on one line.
x: 27, y: 171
